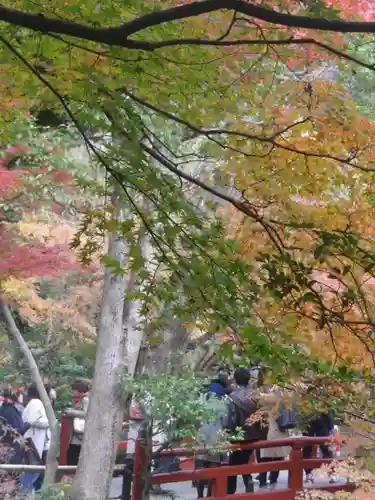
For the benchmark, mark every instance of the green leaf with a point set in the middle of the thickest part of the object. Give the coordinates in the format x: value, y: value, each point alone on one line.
x: 112, y: 264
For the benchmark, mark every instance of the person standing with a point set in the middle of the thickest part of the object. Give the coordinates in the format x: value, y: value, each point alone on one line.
x: 220, y: 385
x: 270, y: 402
x: 81, y: 404
x: 12, y: 427
x: 52, y: 396
x: 242, y: 406
x: 320, y: 426
x: 35, y: 416
x: 20, y: 399
x: 210, y: 433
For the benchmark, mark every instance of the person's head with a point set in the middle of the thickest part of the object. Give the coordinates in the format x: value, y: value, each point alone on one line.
x: 32, y: 392
x: 51, y: 393
x: 20, y: 395
x: 9, y: 395
x: 242, y: 377
x: 219, y: 379
x: 223, y: 379
x: 81, y: 386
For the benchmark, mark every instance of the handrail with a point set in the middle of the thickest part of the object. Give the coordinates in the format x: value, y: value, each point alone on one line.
x: 295, y: 442
x: 41, y: 468
x: 227, y: 470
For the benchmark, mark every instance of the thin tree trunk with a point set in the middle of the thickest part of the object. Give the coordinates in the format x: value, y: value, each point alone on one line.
x: 132, y: 317
x: 104, y: 418
x: 16, y: 337
x: 52, y: 456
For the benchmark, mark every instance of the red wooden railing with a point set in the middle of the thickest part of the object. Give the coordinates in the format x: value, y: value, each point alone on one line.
x: 295, y: 466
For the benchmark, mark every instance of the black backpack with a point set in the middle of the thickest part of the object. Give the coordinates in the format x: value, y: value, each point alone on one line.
x: 251, y: 432
x: 287, y: 419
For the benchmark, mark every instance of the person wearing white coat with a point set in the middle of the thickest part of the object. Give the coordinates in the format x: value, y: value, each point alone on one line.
x: 270, y: 404
x: 35, y: 415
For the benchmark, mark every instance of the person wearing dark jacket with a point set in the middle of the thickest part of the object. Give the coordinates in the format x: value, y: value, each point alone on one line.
x: 219, y: 385
x: 11, y: 428
x: 219, y: 389
x: 320, y: 426
x: 242, y: 407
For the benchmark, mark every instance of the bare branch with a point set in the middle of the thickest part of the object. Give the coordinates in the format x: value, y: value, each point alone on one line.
x: 229, y: 29
x: 41, y: 351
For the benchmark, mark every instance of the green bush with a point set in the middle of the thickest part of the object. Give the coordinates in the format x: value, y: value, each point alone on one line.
x: 55, y: 492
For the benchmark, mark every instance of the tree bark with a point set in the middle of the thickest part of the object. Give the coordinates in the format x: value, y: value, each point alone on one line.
x: 16, y: 337
x: 105, y: 412
x: 52, y: 456
x: 132, y: 317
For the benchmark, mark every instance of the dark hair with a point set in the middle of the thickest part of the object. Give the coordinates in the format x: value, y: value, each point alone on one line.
x: 32, y: 392
x: 10, y: 394
x: 242, y: 376
x: 81, y: 385
x: 223, y: 379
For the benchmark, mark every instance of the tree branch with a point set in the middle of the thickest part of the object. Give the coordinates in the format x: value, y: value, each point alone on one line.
x: 150, y: 46
x: 41, y: 351
x: 119, y: 35
x: 210, y: 133
x: 249, y: 9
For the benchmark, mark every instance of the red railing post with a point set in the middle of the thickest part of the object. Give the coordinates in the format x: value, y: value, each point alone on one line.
x: 139, y: 462
x: 220, y: 486
x: 65, y: 435
x: 295, y: 479
x: 142, y: 461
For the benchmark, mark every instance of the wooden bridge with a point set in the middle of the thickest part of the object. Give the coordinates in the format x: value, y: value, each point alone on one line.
x: 295, y: 466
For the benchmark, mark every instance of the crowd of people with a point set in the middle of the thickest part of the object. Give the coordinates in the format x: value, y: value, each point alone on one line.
x: 259, y: 413
x: 25, y: 433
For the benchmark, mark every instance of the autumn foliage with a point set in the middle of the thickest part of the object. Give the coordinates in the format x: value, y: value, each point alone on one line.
x: 18, y: 190
x: 31, y: 260
x: 35, y: 237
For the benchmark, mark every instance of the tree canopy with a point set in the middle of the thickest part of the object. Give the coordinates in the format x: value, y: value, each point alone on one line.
x: 236, y: 138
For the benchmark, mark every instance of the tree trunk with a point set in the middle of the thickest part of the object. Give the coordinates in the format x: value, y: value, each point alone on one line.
x: 16, y: 337
x: 52, y: 456
x: 132, y: 317
x: 104, y: 418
